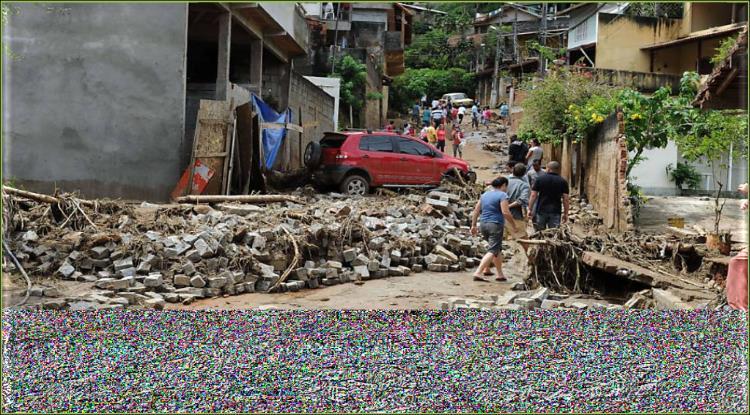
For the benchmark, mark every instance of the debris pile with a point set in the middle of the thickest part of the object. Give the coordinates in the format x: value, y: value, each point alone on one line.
x: 671, y: 270
x: 148, y: 254
x: 541, y: 298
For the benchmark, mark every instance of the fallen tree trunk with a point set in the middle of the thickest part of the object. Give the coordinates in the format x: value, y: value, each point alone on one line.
x: 236, y: 198
x: 39, y: 197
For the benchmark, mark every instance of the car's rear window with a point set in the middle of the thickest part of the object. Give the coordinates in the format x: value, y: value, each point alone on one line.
x: 332, y: 140
x: 376, y: 143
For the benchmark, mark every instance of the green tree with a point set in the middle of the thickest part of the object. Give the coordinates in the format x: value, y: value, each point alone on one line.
x: 431, y: 50
x: 414, y: 83
x: 353, y: 75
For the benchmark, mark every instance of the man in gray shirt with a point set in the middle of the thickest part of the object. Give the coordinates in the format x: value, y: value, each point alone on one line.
x: 534, y: 172
x: 518, y: 191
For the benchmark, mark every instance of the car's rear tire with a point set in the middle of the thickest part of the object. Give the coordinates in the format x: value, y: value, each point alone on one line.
x: 312, y: 156
x: 471, y: 177
x: 355, y: 185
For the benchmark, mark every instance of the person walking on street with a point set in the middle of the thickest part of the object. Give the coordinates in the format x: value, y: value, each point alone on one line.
x: 517, y: 150
x: 441, y: 138
x: 550, y: 189
x: 486, y: 115
x: 504, y: 113
x: 426, y: 116
x: 458, y: 138
x: 534, y: 172
x: 461, y: 114
x: 390, y: 127
x: 492, y: 211
x: 432, y: 135
x: 535, y: 152
x: 518, y: 192
x: 437, y: 116
x: 415, y: 113
x: 736, y: 289
x: 475, y: 116
x: 423, y: 133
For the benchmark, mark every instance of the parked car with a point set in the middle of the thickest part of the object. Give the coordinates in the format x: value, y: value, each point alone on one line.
x: 458, y: 99
x: 357, y: 162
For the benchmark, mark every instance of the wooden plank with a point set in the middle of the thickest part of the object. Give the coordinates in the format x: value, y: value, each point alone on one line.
x: 213, y: 140
x: 227, y: 184
x: 196, y: 134
x: 277, y: 125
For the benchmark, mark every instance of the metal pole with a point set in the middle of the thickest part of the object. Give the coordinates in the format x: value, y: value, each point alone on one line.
x: 335, y: 38
x: 493, y: 95
x: 515, y: 39
x: 542, y: 59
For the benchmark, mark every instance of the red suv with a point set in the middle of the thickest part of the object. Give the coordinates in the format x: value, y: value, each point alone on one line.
x: 359, y: 161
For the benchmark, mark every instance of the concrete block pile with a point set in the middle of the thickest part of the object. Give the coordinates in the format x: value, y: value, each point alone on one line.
x: 539, y: 299
x: 147, y: 255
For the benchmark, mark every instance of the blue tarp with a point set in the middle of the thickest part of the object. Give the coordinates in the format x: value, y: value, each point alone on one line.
x: 272, y: 137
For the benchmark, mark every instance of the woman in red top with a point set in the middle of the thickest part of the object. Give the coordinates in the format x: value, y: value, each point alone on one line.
x: 441, y: 138
x: 457, y: 140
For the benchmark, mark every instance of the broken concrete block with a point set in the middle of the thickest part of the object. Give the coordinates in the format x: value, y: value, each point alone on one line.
x: 216, y: 282
x: 153, y: 280
x: 444, y: 252
x: 362, y: 270
x: 122, y: 264
x: 30, y: 236
x: 526, y: 303
x: 417, y: 268
x: 156, y: 304
x: 437, y: 268
x: 506, y: 298
x: 361, y: 259
x: 540, y: 295
x: 301, y: 274
x: 405, y: 271
x: 518, y: 286
x: 127, y: 272
x: 66, y: 270
x: 334, y: 264
x: 666, y: 300
x: 349, y: 255
x: 36, y: 291
x: 579, y: 306
x: 181, y: 280
x: 197, y: 281
x: 551, y: 304
x: 57, y: 304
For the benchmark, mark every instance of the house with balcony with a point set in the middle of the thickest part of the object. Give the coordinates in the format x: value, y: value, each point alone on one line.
x: 621, y: 47
x: 374, y: 34
x: 525, y: 25
x: 130, y: 78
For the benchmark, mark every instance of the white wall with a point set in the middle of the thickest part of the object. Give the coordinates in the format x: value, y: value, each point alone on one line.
x: 651, y: 174
x: 584, y: 33
x: 332, y: 87
x: 652, y: 177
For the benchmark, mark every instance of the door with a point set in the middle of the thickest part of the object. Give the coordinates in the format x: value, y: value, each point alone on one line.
x: 379, y: 159
x: 416, y: 162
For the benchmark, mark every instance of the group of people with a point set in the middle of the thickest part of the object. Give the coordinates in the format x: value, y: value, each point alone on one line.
x: 529, y: 193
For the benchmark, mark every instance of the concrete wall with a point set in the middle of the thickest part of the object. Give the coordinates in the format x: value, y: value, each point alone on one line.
x: 651, y: 174
x: 619, y: 39
x: 332, y: 87
x: 96, y: 100
x: 684, y: 57
x: 604, y: 160
x: 701, y: 16
x: 317, y: 108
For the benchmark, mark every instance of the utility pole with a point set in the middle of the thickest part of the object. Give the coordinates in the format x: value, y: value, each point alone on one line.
x: 335, y: 38
x: 542, y: 59
x: 493, y: 95
x: 515, y: 38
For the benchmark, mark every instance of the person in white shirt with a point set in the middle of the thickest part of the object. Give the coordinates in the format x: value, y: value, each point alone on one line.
x: 535, y: 153
x: 461, y: 113
x: 328, y: 12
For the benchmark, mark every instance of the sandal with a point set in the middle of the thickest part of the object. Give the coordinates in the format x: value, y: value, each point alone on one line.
x: 478, y: 278
x: 501, y: 279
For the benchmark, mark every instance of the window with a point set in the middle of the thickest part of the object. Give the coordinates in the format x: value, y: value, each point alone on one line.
x: 415, y: 148
x: 333, y: 140
x: 376, y: 143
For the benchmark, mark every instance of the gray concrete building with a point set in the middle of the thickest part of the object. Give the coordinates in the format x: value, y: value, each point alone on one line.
x: 102, y: 98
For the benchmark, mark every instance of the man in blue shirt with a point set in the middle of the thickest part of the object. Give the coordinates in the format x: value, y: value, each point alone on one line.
x: 415, y: 113
x: 492, y: 211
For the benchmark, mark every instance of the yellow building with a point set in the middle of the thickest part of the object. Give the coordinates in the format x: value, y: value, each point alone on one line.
x: 605, y: 37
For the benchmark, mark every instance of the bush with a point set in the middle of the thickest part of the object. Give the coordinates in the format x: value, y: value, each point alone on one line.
x: 548, y: 101
x: 684, y: 174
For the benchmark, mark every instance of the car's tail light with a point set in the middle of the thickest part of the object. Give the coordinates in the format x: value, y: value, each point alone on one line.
x: 342, y: 156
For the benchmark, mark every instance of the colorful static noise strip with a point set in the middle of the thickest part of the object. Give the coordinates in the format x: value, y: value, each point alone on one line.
x: 366, y: 361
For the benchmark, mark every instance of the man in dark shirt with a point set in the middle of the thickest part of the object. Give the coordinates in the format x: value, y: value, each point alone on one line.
x: 549, y: 189
x: 517, y: 150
